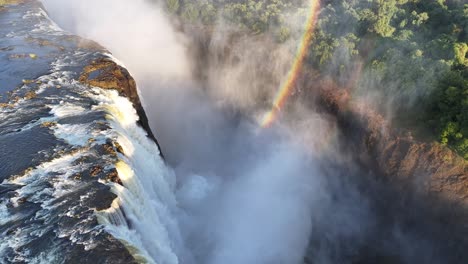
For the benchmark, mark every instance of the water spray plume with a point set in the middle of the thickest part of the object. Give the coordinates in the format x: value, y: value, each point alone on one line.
x: 285, y: 90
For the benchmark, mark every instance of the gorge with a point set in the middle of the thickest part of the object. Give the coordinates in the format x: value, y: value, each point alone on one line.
x: 147, y: 149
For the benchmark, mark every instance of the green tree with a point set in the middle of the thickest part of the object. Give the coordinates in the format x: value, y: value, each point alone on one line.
x: 461, y: 52
x: 173, y: 6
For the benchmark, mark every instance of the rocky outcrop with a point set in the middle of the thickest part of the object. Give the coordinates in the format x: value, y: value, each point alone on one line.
x: 417, y: 190
x: 427, y: 166
x: 107, y: 74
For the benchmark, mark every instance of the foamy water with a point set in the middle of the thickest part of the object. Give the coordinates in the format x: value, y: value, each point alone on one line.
x: 142, y: 216
x: 147, y: 196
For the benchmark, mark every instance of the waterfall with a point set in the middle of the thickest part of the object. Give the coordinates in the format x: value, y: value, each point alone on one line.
x: 146, y: 198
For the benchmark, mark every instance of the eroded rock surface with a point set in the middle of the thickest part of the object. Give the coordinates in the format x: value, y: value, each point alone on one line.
x: 429, y: 166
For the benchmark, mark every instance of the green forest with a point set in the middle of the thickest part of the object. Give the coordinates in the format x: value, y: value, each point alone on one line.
x: 414, y: 52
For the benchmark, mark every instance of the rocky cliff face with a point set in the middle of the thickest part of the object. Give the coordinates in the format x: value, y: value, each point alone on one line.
x: 427, y: 166
x: 418, y: 188
x: 107, y: 74
x: 58, y: 147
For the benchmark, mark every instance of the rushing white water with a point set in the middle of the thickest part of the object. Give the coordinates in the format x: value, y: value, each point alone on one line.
x: 145, y: 202
x: 240, y: 217
x: 142, y: 215
x: 35, y: 186
x: 249, y: 202
x: 147, y: 196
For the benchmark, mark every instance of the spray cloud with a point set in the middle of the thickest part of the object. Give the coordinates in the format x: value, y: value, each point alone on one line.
x: 245, y: 195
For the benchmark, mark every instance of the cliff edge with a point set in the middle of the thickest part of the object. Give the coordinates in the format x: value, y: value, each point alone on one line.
x: 64, y: 104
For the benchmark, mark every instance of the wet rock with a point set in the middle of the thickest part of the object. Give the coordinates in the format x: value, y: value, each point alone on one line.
x: 106, y: 74
x: 48, y: 124
x: 5, y: 105
x: 22, y: 200
x: 113, y: 176
x: 95, y: 171
x: 109, y: 149
x: 42, y: 42
x: 103, y: 200
x: 118, y: 147
x: 30, y: 95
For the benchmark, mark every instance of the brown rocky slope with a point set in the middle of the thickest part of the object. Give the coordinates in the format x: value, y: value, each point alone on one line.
x: 430, y: 166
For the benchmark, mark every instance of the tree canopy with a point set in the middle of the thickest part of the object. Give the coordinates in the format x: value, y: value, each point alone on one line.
x: 415, y: 52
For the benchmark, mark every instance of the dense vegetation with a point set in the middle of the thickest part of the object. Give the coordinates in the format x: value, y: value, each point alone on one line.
x: 414, y: 52
x: 255, y: 16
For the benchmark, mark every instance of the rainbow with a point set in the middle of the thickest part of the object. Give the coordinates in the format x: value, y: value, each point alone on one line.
x: 285, y: 90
